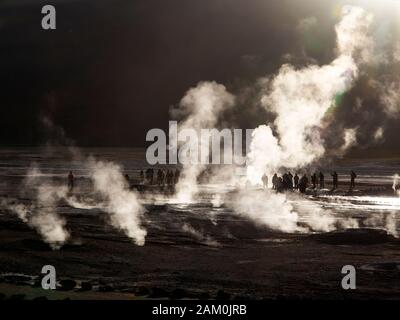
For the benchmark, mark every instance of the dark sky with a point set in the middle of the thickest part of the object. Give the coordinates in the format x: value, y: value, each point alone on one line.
x: 112, y: 69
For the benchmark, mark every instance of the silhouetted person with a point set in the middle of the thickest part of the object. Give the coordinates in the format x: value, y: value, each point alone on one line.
x: 303, y: 184
x: 71, y: 181
x: 171, y: 178
x: 275, y: 181
x: 265, y: 181
x: 280, y: 184
x: 353, y: 177
x: 176, y: 176
x: 321, y: 180
x: 150, y: 175
x: 290, y: 180
x: 160, y: 177
x: 168, y: 178
x: 127, y: 178
x: 314, y: 180
x: 296, y: 181
x: 163, y: 175
x: 335, y: 182
x: 141, y: 176
x: 285, y: 181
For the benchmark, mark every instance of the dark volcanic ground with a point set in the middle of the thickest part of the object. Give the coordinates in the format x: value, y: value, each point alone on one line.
x: 230, y: 259
x: 198, y: 251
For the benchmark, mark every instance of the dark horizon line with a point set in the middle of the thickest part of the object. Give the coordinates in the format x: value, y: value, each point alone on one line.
x: 355, y: 154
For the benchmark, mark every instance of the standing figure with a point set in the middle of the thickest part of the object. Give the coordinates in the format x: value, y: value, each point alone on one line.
x: 167, y: 178
x: 353, y: 176
x: 171, y: 178
x: 148, y: 174
x: 285, y: 181
x: 275, y: 182
x: 279, y: 184
x: 176, y: 176
x: 70, y: 181
x: 151, y: 175
x: 314, y: 180
x: 141, y: 177
x: 303, y: 184
x: 296, y: 181
x: 335, y: 181
x: 160, y: 177
x: 290, y: 180
x: 321, y: 180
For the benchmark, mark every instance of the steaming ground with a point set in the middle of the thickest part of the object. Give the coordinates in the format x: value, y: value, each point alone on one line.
x: 205, y: 246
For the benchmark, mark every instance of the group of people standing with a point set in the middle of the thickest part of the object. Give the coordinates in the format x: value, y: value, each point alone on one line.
x: 289, y: 182
x: 164, y: 177
x: 286, y: 182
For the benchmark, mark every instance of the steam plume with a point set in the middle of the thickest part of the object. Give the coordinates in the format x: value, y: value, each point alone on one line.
x: 301, y: 98
x: 201, y: 107
x: 396, y: 178
x: 113, y: 196
x: 122, y: 204
x: 42, y: 214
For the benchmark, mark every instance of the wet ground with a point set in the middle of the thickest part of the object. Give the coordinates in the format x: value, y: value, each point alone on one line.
x: 234, y: 259
x: 202, y: 251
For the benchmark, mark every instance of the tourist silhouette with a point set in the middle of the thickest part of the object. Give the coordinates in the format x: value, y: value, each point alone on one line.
x: 296, y: 181
x: 321, y: 180
x: 275, y: 181
x: 71, y: 180
x: 352, y: 179
x: 335, y: 181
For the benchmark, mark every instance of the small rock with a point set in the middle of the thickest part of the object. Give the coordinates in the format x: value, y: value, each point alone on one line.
x: 86, y: 286
x: 67, y: 285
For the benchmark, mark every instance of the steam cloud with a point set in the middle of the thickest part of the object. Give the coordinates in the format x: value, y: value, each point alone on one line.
x: 202, y: 106
x: 277, y: 212
x: 301, y: 98
x: 122, y: 204
x: 113, y: 196
x: 42, y: 214
x: 200, y: 236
